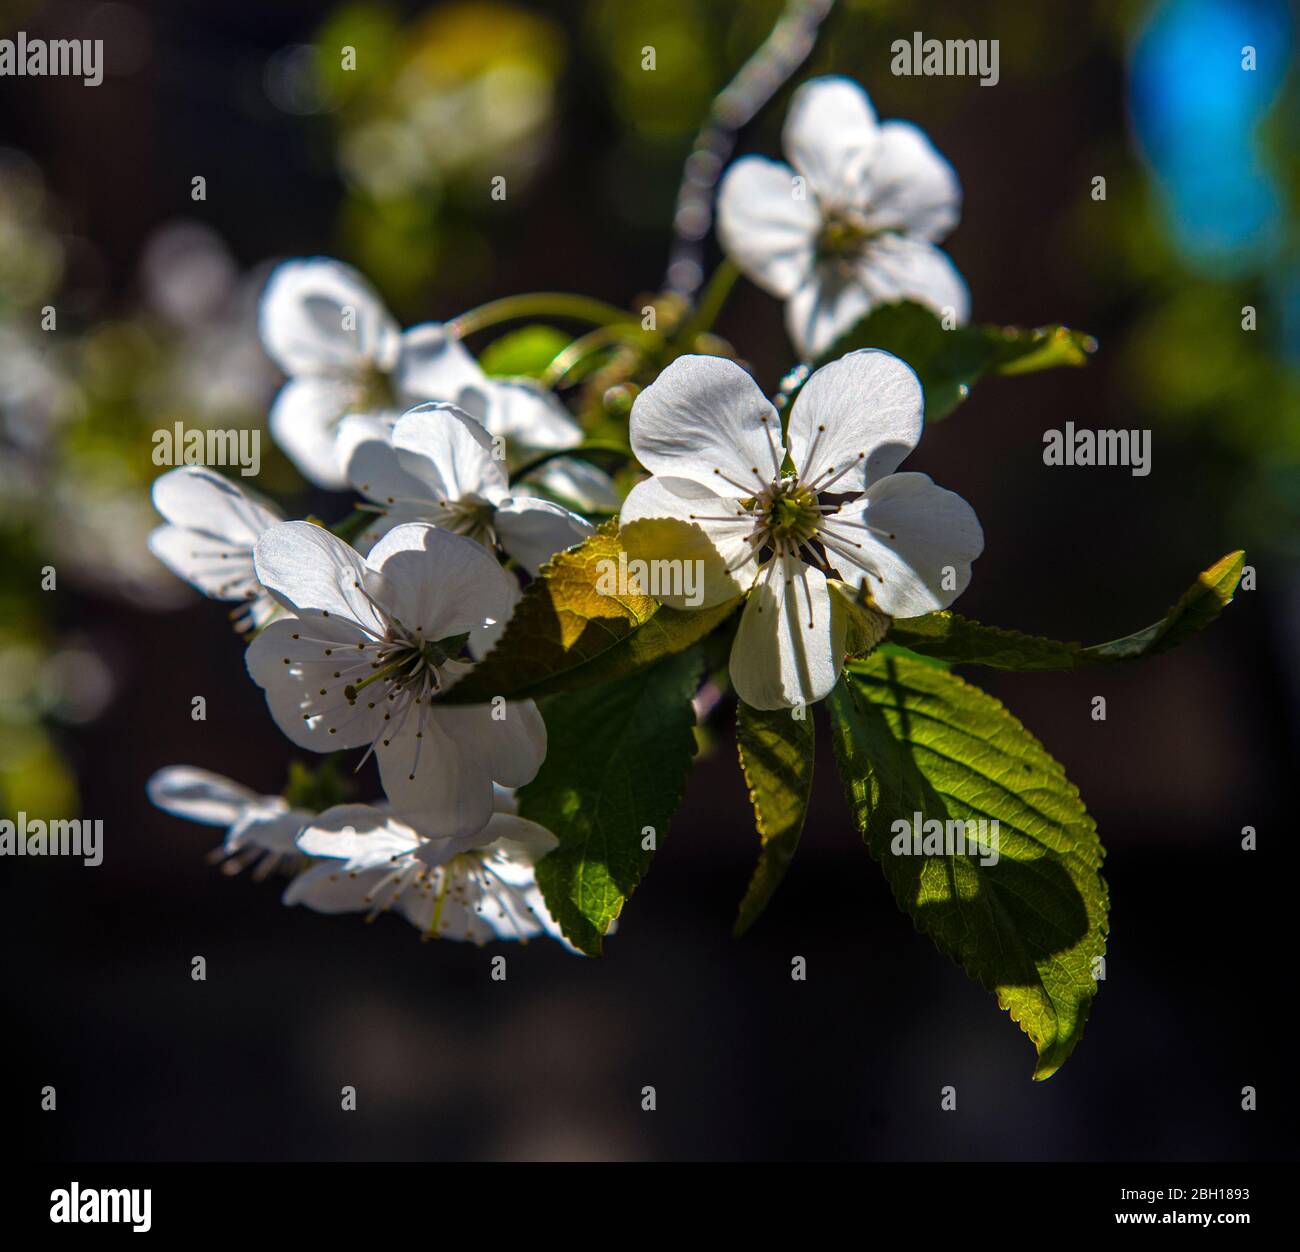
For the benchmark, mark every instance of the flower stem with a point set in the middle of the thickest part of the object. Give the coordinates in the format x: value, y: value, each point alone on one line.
x: 711, y: 303
x: 582, y: 348
x: 356, y: 521
x: 559, y: 304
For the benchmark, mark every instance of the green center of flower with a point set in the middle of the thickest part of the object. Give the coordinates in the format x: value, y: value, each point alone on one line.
x: 842, y: 236
x: 794, y: 517
x: 411, y: 664
x: 376, y: 392
x: 474, y: 518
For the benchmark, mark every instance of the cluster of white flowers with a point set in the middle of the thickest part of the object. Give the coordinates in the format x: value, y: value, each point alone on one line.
x: 355, y: 858
x: 353, y: 645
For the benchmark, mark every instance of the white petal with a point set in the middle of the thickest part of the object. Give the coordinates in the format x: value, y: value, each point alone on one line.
x: 919, y: 533
x: 366, y: 452
x: 436, y: 850
x: 827, y: 306
x: 501, y: 901
x: 477, y: 916
x: 199, y: 796
x: 678, y: 520
x: 860, y: 414
x: 518, y: 844
x: 219, y: 569
x: 789, y: 647
x: 532, y: 530
x: 440, y: 780
x: 305, y: 666
x: 434, y: 365
x: 310, y: 570
x: 449, y: 452
x: 537, y: 905
x: 441, y: 582
x: 364, y: 837
x: 215, y: 524
x: 704, y: 418
x: 578, y: 482
x: 269, y: 825
x: 764, y: 228
x: 304, y: 421
x: 830, y: 137
x: 329, y: 888
x: 200, y: 499
x: 910, y: 188
x: 513, y: 747
x: 320, y: 316
x: 527, y: 416
x: 897, y: 268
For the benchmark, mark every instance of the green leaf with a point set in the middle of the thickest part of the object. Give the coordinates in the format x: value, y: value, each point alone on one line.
x: 318, y: 787
x: 949, y: 362
x: 524, y: 353
x: 776, y: 757
x: 949, y: 637
x: 566, y: 634
x: 616, y: 762
x: 911, y: 739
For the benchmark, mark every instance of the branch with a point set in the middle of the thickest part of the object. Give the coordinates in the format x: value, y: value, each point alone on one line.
x: 759, y: 79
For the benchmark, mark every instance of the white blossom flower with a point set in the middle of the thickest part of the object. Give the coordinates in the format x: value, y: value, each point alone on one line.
x: 522, y: 414
x: 436, y: 464
x: 853, y: 225
x: 479, y: 888
x: 370, y: 643
x: 212, y: 525
x: 327, y: 329
x: 517, y: 410
x: 260, y: 830
x: 721, y: 494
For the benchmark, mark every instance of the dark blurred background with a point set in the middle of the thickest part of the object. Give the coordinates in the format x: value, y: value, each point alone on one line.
x: 156, y: 298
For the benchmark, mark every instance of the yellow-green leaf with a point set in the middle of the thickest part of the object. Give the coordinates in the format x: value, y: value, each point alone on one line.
x: 949, y: 361
x: 948, y: 636
x: 566, y: 634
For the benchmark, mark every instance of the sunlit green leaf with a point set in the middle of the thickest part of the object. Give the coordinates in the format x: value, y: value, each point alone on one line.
x: 1025, y: 913
x: 523, y: 353
x: 949, y: 362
